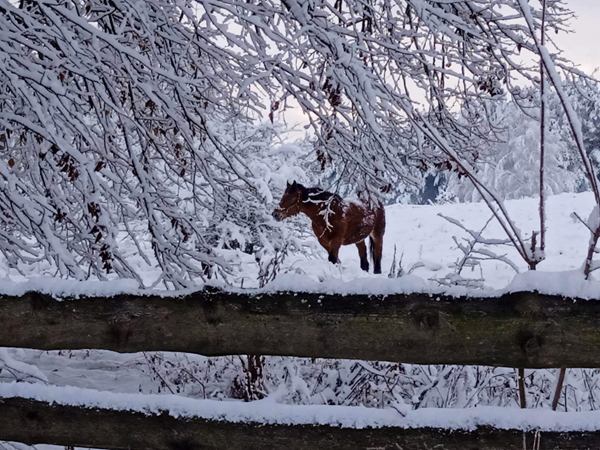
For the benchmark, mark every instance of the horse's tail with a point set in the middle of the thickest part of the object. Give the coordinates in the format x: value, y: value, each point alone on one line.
x: 371, y: 249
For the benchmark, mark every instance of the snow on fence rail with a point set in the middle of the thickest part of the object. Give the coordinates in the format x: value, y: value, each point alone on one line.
x: 66, y: 416
x: 520, y: 329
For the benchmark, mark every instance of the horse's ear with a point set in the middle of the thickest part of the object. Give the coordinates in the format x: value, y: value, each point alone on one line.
x: 294, y: 184
x: 288, y: 183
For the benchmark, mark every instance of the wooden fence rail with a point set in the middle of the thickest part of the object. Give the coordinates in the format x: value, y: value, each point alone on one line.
x: 34, y: 422
x: 516, y: 330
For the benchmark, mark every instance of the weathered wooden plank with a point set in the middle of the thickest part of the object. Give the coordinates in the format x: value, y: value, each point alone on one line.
x: 516, y: 330
x: 34, y: 422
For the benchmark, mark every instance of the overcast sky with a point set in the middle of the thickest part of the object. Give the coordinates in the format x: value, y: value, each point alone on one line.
x: 583, y: 45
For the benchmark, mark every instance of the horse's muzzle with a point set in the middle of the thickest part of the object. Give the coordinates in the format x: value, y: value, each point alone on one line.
x: 277, y: 216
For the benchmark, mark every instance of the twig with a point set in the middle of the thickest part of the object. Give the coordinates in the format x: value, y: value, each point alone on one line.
x: 559, y: 385
x: 575, y: 215
x: 542, y: 133
x: 521, y: 379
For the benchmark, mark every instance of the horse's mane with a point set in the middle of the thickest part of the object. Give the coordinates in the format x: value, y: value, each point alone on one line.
x: 317, y: 194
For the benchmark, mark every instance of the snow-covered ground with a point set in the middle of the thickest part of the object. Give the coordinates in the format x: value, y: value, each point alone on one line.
x: 424, y: 241
x: 423, y: 237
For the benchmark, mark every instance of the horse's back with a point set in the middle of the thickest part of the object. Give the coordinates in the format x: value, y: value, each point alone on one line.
x: 361, y: 220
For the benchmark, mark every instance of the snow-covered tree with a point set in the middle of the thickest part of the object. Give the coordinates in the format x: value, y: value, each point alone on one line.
x: 116, y: 114
x: 119, y: 121
x: 585, y: 99
x: 508, y: 157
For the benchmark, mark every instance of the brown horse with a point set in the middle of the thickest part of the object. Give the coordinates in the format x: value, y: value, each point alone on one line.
x: 336, y: 221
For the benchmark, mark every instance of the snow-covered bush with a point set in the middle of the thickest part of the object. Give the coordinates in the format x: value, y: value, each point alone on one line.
x: 303, y: 381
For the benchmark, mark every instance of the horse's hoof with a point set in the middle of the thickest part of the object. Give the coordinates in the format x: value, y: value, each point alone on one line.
x: 334, y: 260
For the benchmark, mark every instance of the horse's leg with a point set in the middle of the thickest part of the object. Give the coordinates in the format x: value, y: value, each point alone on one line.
x: 327, y: 245
x: 334, y: 249
x: 377, y: 249
x: 377, y: 238
x: 362, y: 252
